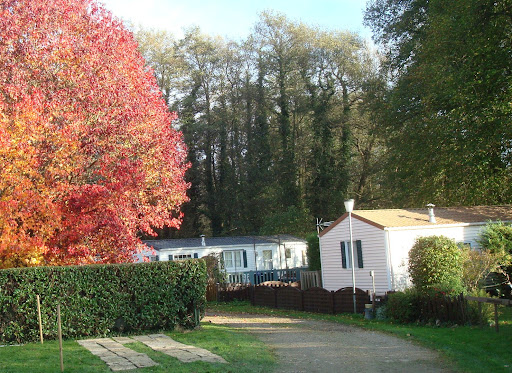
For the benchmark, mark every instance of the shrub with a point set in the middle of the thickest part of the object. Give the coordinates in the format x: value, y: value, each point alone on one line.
x: 215, y: 268
x: 479, y: 315
x: 313, y: 252
x: 478, y: 267
x: 497, y: 238
x: 436, y: 262
x: 403, y: 306
x: 496, y: 241
x: 96, y: 298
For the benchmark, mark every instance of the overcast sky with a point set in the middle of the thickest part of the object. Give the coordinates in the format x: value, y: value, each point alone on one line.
x: 235, y: 18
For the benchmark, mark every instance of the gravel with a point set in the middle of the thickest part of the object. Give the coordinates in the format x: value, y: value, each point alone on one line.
x: 321, y: 346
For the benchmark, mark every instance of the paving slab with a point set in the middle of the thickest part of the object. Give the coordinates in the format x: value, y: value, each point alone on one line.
x: 180, y: 351
x: 118, y: 357
x: 115, y: 355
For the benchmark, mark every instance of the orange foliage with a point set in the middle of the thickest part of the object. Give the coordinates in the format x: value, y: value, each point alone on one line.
x: 88, y: 157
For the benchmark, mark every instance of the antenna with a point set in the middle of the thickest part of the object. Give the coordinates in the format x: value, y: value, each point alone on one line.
x: 320, y: 224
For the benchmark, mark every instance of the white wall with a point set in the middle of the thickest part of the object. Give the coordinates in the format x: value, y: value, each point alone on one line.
x: 374, y: 257
x: 254, y: 262
x: 401, y: 240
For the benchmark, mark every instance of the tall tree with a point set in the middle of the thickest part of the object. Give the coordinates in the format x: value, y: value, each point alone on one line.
x: 88, y: 158
x: 277, y: 126
x: 279, y: 46
x: 448, y: 111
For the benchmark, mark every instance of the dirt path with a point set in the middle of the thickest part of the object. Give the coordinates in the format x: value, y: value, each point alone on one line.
x: 320, y: 346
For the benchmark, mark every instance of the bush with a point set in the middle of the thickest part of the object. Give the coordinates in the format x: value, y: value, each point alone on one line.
x: 215, y: 268
x: 403, y: 306
x: 313, y: 252
x: 496, y: 241
x: 435, y: 307
x: 100, y: 300
x: 483, y: 315
x: 436, y: 262
x: 497, y: 238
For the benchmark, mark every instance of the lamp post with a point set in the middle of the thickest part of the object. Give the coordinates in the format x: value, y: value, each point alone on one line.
x: 349, y: 207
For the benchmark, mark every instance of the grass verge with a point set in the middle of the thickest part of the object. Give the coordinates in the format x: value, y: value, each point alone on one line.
x: 243, y: 352
x: 471, y: 349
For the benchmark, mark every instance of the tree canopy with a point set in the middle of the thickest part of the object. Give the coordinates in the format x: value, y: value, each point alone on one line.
x: 88, y: 156
x: 277, y: 125
x: 446, y: 117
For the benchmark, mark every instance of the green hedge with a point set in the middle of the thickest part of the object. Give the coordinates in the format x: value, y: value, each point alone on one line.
x: 100, y: 300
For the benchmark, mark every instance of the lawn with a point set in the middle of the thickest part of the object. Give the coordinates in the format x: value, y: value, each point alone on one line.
x: 243, y: 352
x: 472, y: 349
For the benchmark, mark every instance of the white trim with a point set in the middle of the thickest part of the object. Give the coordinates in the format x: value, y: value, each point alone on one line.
x: 321, y: 262
x: 388, y: 258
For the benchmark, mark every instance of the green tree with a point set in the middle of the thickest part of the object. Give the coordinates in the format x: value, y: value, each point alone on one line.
x: 275, y: 125
x: 447, y: 112
x: 278, y: 44
x: 314, y: 263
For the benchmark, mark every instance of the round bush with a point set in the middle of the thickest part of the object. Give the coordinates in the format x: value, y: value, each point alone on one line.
x: 436, y: 264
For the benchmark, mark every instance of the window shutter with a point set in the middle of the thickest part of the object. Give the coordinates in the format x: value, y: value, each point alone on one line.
x: 343, y: 255
x: 170, y: 257
x: 245, y: 258
x: 196, y: 256
x: 359, y: 254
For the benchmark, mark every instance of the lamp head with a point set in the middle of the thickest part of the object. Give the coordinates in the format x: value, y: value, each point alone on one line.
x: 349, y: 205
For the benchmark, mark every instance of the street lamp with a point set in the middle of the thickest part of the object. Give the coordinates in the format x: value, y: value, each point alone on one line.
x: 349, y: 207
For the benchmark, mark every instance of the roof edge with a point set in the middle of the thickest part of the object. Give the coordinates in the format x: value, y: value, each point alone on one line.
x: 354, y: 215
x: 339, y: 220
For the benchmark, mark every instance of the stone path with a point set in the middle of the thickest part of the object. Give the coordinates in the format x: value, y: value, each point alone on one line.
x: 115, y: 355
x: 119, y: 357
x: 182, y: 352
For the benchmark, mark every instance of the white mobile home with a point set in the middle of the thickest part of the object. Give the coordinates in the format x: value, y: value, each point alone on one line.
x: 240, y: 254
x: 382, y: 240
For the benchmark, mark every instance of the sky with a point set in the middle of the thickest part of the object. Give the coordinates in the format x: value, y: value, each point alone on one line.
x: 235, y: 19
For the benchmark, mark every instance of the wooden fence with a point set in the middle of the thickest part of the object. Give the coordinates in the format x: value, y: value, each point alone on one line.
x: 313, y: 299
x: 276, y: 294
x: 310, y: 279
x: 228, y: 292
x: 496, y: 302
x: 445, y: 309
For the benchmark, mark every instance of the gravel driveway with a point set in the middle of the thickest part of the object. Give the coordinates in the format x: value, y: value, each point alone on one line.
x: 321, y: 346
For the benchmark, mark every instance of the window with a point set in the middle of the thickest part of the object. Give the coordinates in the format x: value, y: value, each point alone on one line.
x: 267, y: 259
x: 235, y: 259
x: 288, y: 253
x: 182, y: 256
x: 346, y: 257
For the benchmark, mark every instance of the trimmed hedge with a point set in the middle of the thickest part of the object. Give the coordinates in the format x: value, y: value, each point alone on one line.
x: 100, y: 300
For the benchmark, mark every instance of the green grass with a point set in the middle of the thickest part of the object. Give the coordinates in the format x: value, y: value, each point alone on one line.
x: 471, y: 349
x: 243, y: 352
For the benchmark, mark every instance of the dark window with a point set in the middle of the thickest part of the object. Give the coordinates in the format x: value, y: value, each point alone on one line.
x: 346, y: 257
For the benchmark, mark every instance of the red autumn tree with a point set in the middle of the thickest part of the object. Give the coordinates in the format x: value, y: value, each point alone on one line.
x: 88, y: 157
